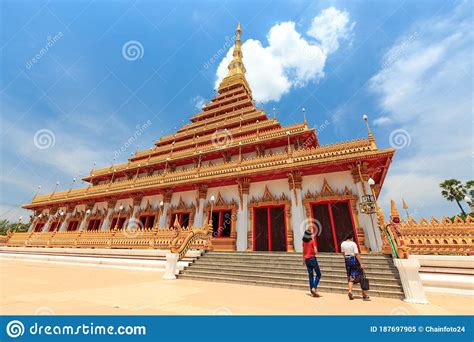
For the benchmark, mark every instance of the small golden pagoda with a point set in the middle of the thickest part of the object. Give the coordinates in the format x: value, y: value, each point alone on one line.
x: 262, y: 184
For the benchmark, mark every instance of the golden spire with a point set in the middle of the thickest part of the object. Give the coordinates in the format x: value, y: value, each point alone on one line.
x: 236, y: 67
x: 393, y: 209
x: 371, y: 136
x: 405, y: 205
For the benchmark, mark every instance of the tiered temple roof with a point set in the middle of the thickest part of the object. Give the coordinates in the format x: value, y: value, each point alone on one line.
x: 215, y: 147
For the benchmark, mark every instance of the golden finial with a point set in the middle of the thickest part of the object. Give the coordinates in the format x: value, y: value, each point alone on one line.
x: 371, y: 136
x: 393, y: 209
x: 304, y: 115
x: 236, y: 74
x: 405, y: 206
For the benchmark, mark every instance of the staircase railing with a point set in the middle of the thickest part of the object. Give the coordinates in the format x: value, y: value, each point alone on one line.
x: 395, y: 239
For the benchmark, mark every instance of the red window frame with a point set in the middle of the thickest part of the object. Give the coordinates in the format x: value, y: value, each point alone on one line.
x: 39, y: 227
x: 254, y: 228
x: 148, y: 218
x: 180, y: 217
x: 54, y: 226
x: 94, y: 224
x: 121, y: 222
x: 221, y: 216
x: 333, y: 228
x: 72, y: 225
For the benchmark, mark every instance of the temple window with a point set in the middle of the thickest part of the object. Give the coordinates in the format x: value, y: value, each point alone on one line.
x: 72, y: 225
x: 94, y: 224
x: 54, y: 226
x: 39, y: 226
x: 147, y: 221
x: 117, y: 225
x: 221, y: 223
x: 183, y: 219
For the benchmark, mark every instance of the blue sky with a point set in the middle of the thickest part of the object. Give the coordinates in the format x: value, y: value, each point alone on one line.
x: 72, y: 95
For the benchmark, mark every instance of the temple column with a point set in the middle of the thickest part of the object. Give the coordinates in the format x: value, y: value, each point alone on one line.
x: 87, y: 212
x: 132, y: 221
x: 368, y: 222
x: 166, y: 204
x: 69, y: 210
x: 242, y: 215
x: 297, y: 209
x: 202, y: 195
x: 51, y: 215
x: 110, y: 211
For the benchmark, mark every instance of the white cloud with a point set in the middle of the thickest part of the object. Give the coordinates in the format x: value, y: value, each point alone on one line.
x: 382, y: 120
x: 289, y: 59
x: 425, y: 87
x: 198, y: 102
x: 330, y: 27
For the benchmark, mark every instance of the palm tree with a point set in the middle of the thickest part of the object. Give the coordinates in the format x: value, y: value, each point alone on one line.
x: 453, y: 190
x: 470, y: 188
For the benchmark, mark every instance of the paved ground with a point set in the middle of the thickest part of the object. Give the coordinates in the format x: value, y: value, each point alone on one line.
x: 42, y: 288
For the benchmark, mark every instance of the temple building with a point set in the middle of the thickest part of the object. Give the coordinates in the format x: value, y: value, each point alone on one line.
x: 266, y: 183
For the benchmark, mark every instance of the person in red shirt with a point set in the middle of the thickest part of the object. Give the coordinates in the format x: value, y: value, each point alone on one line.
x: 309, y: 259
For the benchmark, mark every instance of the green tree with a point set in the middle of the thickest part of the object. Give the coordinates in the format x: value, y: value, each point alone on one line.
x: 453, y: 190
x: 470, y: 188
x: 6, y: 225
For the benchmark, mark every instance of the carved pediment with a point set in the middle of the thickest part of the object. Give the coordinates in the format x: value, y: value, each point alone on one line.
x: 221, y: 203
x: 327, y: 192
x: 269, y: 198
x: 182, y: 206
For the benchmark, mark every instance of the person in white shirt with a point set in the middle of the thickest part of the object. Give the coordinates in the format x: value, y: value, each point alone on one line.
x: 354, y: 265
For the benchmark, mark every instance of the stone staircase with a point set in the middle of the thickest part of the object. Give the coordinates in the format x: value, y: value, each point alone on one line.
x: 286, y: 270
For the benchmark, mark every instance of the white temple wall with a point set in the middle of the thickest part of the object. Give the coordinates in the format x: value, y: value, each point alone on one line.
x: 336, y: 180
x: 189, y: 197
